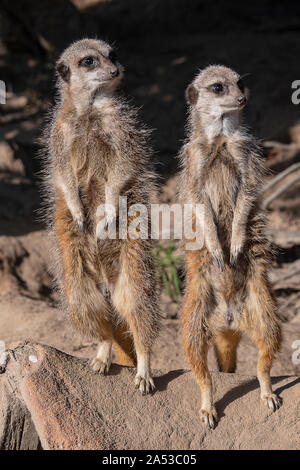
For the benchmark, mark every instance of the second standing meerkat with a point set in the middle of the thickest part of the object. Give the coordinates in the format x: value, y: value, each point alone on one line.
x: 98, y: 152
x: 227, y: 289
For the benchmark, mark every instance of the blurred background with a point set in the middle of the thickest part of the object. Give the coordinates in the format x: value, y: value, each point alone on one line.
x: 162, y: 44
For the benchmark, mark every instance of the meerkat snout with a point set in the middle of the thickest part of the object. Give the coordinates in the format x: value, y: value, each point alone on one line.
x: 242, y: 100
x: 114, y: 72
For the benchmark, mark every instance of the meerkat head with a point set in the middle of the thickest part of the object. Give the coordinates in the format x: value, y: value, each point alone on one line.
x: 217, y: 95
x: 88, y: 67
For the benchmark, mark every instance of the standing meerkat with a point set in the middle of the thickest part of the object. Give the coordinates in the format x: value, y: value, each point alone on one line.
x: 227, y: 289
x: 96, y: 153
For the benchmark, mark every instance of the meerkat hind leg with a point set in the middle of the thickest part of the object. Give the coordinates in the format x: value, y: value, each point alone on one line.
x: 208, y: 413
x: 267, y: 337
x: 102, y: 362
x: 196, y: 339
x: 141, y: 318
x: 264, y: 364
x: 196, y: 355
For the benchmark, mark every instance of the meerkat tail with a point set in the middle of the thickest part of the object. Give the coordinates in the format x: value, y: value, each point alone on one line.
x: 124, y: 346
x: 225, y: 345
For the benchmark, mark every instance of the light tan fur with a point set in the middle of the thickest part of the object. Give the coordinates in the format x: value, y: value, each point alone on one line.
x: 98, y: 152
x: 227, y: 289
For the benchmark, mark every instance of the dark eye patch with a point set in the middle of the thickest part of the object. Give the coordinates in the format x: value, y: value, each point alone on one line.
x: 241, y: 85
x: 88, y: 61
x: 112, y: 57
x: 217, y: 88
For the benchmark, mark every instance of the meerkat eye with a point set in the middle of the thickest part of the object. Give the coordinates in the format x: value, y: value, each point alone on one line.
x: 217, y: 88
x: 112, y: 57
x: 88, y: 62
x: 241, y: 85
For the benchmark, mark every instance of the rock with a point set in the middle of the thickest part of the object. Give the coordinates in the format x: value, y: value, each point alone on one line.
x: 8, y: 161
x: 284, y: 238
x: 24, y: 264
x: 287, y: 276
x: 72, y: 408
x: 17, y: 431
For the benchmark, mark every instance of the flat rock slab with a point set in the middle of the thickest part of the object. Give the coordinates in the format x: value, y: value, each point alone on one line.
x: 63, y: 405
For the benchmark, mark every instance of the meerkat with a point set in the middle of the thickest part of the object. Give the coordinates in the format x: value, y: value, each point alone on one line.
x: 227, y: 289
x: 97, y: 152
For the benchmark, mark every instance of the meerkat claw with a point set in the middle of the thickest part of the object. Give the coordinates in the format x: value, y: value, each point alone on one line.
x: 234, y: 254
x: 209, y: 418
x: 220, y: 262
x: 272, y: 401
x: 144, y: 385
x: 81, y: 226
x: 233, y: 261
x: 78, y: 218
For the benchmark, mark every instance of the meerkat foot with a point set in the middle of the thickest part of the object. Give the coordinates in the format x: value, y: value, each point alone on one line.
x: 4, y: 357
x: 144, y: 384
x: 102, y: 362
x: 209, y: 417
x: 272, y: 401
x: 143, y: 379
x: 100, y: 366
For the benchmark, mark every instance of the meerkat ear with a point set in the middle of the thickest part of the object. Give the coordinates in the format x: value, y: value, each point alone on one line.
x: 64, y: 71
x: 191, y: 94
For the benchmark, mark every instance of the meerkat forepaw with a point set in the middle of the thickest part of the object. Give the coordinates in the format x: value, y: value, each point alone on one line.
x: 79, y: 220
x: 236, y: 249
x: 144, y: 384
x: 272, y: 401
x: 209, y: 417
x: 110, y: 218
x: 234, y: 254
x: 218, y: 256
x: 100, y: 366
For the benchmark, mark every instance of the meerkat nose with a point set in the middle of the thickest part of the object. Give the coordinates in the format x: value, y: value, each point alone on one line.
x: 242, y: 100
x: 114, y: 72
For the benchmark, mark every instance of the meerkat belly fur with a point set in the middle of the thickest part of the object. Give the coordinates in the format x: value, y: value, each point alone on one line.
x: 227, y: 289
x: 96, y: 153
